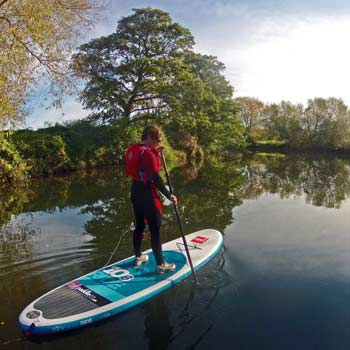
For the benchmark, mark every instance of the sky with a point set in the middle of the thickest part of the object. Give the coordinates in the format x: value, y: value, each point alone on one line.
x: 273, y: 50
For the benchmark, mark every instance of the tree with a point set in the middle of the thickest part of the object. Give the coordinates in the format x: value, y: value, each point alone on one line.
x: 250, y: 112
x: 202, y: 106
x: 221, y: 129
x: 129, y: 70
x: 322, y: 119
x: 36, y: 41
x: 147, y: 70
x: 210, y: 70
x: 283, y: 121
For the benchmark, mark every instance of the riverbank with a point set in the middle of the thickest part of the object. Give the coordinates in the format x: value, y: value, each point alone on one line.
x: 274, y: 146
x: 61, y: 149
x: 80, y: 145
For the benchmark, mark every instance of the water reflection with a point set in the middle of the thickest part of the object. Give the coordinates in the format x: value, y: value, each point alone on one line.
x: 186, y: 312
x: 12, y: 201
x: 325, y: 181
x: 158, y: 329
x: 15, y: 238
x: 58, y: 228
x: 99, y: 200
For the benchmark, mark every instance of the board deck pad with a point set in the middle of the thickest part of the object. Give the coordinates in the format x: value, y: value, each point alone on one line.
x: 116, y: 287
x: 144, y: 276
x: 63, y: 302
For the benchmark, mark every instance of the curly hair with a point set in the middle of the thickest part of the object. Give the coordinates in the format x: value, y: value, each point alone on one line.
x: 153, y: 131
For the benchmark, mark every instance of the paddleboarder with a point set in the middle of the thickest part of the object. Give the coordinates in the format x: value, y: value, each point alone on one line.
x: 143, y: 164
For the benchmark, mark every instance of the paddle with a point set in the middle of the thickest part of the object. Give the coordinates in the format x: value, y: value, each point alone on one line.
x: 178, y: 219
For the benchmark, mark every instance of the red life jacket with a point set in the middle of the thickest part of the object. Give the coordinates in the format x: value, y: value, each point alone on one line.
x: 133, y: 159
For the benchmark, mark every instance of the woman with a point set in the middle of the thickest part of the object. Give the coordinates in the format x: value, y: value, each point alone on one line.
x: 143, y: 163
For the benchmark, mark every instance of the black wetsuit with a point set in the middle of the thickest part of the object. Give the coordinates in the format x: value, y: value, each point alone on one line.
x: 147, y: 206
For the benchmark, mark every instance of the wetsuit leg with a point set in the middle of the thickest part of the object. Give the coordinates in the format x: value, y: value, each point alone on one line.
x: 139, y: 213
x: 145, y: 207
x: 154, y: 219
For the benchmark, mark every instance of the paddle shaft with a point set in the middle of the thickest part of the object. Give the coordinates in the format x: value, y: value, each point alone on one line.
x: 179, y: 221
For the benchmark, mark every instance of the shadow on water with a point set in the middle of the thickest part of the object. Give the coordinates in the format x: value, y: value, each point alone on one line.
x: 175, y: 315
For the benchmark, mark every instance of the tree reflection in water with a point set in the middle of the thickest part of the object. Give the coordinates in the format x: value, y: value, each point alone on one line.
x: 323, y: 181
x: 15, y: 238
x: 207, y: 194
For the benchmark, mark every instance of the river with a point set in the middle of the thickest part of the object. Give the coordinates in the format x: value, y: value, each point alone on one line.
x: 282, y: 280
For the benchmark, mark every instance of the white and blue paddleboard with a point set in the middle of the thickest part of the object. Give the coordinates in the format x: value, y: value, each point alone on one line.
x: 116, y: 287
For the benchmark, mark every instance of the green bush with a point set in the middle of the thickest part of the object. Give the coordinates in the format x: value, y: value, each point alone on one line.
x: 45, y: 153
x: 12, y: 166
x: 75, y: 145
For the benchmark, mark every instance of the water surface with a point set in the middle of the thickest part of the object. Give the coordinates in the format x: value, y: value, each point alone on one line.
x: 281, y: 282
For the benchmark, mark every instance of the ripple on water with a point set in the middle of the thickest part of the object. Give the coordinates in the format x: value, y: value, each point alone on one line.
x: 41, y: 243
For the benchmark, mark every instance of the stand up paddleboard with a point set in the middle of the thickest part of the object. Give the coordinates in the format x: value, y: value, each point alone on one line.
x: 116, y: 287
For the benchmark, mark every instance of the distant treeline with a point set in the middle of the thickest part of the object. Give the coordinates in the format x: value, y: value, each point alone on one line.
x: 323, y: 124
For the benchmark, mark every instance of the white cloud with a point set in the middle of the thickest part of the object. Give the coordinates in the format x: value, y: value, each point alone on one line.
x: 293, y: 59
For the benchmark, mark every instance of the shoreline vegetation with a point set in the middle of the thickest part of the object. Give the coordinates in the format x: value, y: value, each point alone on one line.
x: 80, y: 146
x: 147, y: 71
x: 85, y: 144
x: 60, y: 149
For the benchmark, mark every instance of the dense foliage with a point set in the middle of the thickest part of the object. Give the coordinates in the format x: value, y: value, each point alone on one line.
x: 62, y: 148
x: 321, y: 124
x: 36, y: 41
x: 56, y: 149
x: 12, y: 166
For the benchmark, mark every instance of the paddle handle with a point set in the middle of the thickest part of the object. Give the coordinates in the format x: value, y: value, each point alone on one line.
x: 178, y: 220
